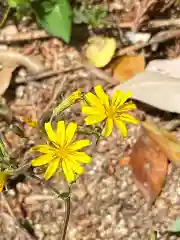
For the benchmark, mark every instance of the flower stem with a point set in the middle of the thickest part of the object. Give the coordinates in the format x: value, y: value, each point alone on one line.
x: 5, y: 16
x: 66, y: 219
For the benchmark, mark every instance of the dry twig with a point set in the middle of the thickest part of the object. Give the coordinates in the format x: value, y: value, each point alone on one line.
x: 142, y: 8
x: 158, y: 38
x: 164, y: 23
x: 45, y: 74
x: 25, y: 36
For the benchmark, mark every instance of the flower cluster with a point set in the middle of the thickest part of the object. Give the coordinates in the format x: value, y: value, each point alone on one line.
x: 63, y: 151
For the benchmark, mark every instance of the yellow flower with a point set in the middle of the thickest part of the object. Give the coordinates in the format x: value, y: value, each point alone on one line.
x: 98, y: 108
x: 3, y: 179
x: 62, y: 152
x: 69, y: 101
x: 100, y: 50
x: 31, y: 122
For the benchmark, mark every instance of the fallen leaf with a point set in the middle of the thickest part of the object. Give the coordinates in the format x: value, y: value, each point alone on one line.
x: 149, y: 167
x: 5, y: 78
x: 100, y: 50
x: 155, y: 89
x: 168, y: 67
x: 167, y: 142
x: 10, y: 60
x: 128, y: 67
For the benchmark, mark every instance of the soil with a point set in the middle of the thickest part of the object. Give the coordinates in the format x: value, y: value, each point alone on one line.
x: 106, y: 203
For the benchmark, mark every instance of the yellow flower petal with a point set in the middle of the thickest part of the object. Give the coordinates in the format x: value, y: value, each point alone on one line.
x: 42, y: 160
x: 70, y: 132
x: 52, y: 168
x: 50, y: 132
x: 127, y: 107
x: 119, y: 98
x: 61, y: 132
x: 125, y: 97
x: 108, y: 127
x: 128, y: 118
x: 122, y: 128
x: 3, y: 179
x: 75, y: 166
x: 44, y: 148
x: 104, y: 98
x: 92, y: 110
x: 31, y: 122
x: 80, y: 157
x: 79, y: 144
x: 116, y: 98
x: 93, y: 100
x: 72, y: 99
x: 69, y: 174
x: 93, y: 119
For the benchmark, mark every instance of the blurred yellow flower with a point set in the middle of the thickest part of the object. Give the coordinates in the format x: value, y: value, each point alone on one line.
x: 3, y: 179
x: 100, y: 50
x: 98, y: 108
x: 62, y: 152
x: 31, y: 122
x: 69, y: 101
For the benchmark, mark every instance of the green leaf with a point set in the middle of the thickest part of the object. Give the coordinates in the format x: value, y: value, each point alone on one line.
x: 15, y: 3
x: 55, y: 17
x: 79, y: 16
x: 175, y: 226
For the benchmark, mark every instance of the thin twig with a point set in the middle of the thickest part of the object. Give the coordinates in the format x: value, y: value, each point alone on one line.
x: 56, y: 91
x: 164, y: 23
x: 5, y: 16
x: 45, y: 183
x: 158, y: 38
x: 26, y: 36
x: 67, y: 215
x: 100, y: 73
x: 45, y: 74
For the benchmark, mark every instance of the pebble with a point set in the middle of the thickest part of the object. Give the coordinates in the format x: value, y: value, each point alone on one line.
x: 9, y: 30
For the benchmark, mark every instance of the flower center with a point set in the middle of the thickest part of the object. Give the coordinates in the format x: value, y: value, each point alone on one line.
x: 110, y: 112
x: 63, y: 152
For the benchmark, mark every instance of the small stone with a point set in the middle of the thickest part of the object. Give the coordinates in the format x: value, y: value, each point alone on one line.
x: 11, y: 192
x: 20, y: 91
x: 22, y: 72
x: 9, y: 30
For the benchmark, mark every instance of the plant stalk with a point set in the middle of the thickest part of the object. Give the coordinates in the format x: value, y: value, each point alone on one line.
x: 67, y: 215
x: 5, y: 16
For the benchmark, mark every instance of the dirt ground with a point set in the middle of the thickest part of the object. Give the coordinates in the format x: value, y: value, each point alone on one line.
x: 106, y: 203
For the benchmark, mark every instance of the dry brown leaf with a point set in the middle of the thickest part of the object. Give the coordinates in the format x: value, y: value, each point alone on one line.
x: 10, y: 60
x: 154, y: 88
x: 128, y: 67
x: 5, y: 78
x: 166, y: 141
x: 149, y: 166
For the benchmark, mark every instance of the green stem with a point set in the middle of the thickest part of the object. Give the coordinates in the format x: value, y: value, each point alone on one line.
x: 5, y: 16
x: 67, y: 202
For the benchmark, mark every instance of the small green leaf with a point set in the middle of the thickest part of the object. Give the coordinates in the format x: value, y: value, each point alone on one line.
x: 56, y: 18
x: 64, y: 195
x: 15, y: 3
x: 175, y: 226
